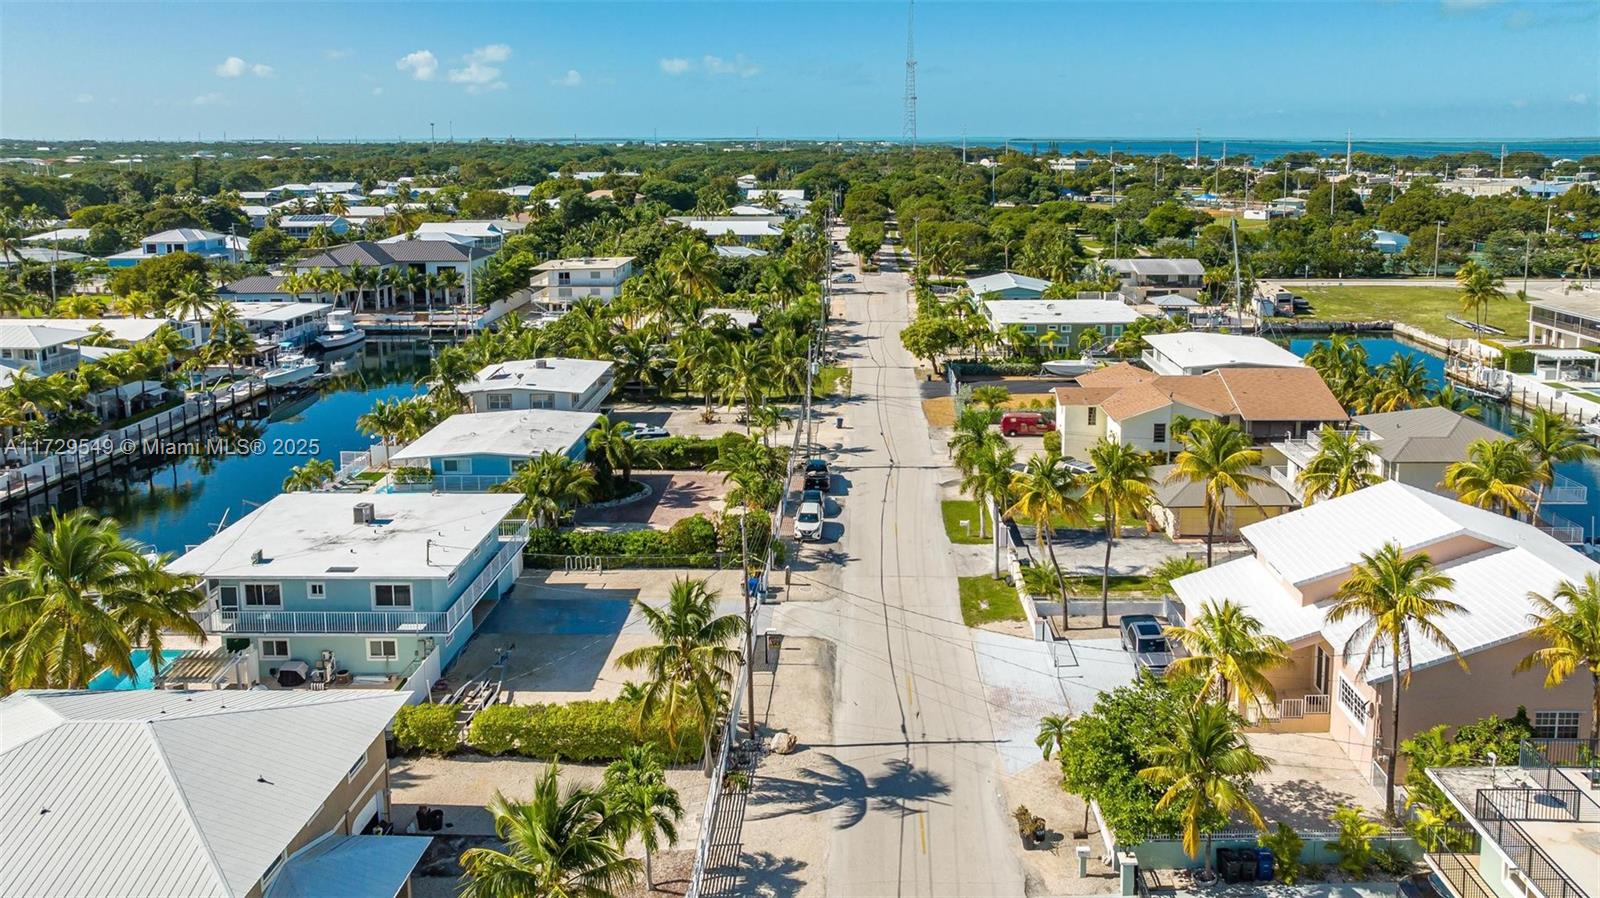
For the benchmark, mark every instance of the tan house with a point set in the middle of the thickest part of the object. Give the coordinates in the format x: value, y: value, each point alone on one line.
x: 212, y: 794
x: 1137, y: 407
x: 1178, y: 508
x: 1301, y: 559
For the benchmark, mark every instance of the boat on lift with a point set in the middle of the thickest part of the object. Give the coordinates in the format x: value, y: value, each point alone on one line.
x: 1070, y: 367
x: 342, y: 330
x: 290, y: 370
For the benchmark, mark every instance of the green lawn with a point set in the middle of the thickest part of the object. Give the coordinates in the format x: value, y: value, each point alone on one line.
x: 827, y: 380
x: 957, y: 510
x: 1120, y: 586
x: 370, y: 476
x: 1424, y: 307
x: 986, y: 600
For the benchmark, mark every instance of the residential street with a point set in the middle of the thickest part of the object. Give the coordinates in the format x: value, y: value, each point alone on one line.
x: 910, y: 782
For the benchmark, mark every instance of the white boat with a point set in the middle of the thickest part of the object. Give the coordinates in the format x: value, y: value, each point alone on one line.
x: 290, y: 370
x: 1071, y: 367
x: 342, y: 330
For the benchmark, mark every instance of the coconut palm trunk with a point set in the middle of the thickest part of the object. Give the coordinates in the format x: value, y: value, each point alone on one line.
x: 1394, y: 729
x: 1105, y: 571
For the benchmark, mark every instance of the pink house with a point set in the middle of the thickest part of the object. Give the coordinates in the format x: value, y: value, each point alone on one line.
x: 1300, y: 560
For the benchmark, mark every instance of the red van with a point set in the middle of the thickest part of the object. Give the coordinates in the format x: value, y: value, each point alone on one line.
x: 1029, y: 424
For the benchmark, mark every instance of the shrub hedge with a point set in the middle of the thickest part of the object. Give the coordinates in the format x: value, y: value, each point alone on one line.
x: 431, y: 728
x: 577, y: 731
x: 686, y: 453
x: 695, y: 541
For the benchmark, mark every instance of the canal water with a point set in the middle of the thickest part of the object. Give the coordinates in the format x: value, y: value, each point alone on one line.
x: 170, y: 505
x: 1499, y: 415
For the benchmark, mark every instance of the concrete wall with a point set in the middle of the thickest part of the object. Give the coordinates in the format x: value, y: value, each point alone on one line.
x: 1183, y: 523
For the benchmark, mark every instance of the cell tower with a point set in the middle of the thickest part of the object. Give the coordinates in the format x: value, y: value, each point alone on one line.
x: 908, y: 124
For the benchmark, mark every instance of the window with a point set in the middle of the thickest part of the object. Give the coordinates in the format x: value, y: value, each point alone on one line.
x: 1353, y: 703
x: 263, y: 595
x: 1160, y: 434
x: 391, y: 595
x: 1323, y: 666
x: 499, y: 402
x: 1555, y: 724
x: 274, y: 649
x: 361, y: 761
x: 1091, y: 414
x: 317, y: 590
x: 382, y: 650
x: 1028, y: 329
x: 456, y: 465
x: 228, y: 596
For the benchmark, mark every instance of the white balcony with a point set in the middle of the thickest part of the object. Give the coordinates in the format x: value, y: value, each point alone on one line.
x: 236, y: 621
x: 1566, y: 491
x: 1284, y: 476
x: 1559, y: 527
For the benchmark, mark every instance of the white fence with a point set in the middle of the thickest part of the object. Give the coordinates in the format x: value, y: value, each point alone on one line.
x: 708, y: 818
x: 419, y: 686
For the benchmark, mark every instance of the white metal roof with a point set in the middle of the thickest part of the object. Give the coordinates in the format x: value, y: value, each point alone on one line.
x: 1194, y: 349
x: 585, y: 263
x: 58, y: 234
x: 182, y: 235
x: 36, y: 336
x: 516, y: 434
x: 1566, y: 355
x: 414, y: 536
x: 739, y: 228
x: 159, y: 792
x: 44, y: 254
x: 1059, y: 311
x: 553, y: 375
x: 131, y: 329
x: 1006, y: 280
x: 277, y: 311
x: 1153, y: 267
x: 475, y: 229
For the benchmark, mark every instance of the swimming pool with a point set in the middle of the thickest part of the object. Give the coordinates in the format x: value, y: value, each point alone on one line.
x: 144, y: 676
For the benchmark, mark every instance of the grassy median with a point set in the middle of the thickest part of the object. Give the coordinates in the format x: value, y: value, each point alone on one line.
x: 957, y: 510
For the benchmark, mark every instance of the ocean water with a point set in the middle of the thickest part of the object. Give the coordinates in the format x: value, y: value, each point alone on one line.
x: 1261, y: 150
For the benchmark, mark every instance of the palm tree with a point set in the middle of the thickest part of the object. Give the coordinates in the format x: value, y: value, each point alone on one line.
x: 1119, y: 487
x: 309, y: 476
x: 636, y: 788
x: 158, y: 602
x: 1586, y: 259
x: 1571, y: 635
x: 1479, y: 286
x: 1229, y: 652
x: 972, y: 439
x: 1162, y: 575
x: 447, y: 281
x: 988, y: 480
x: 1394, y: 597
x: 1495, y: 475
x: 1550, y: 440
x: 194, y: 300
x: 1045, y: 492
x: 745, y: 376
x: 1400, y: 383
x: 59, y: 609
x: 1219, y: 456
x: 691, y: 267
x: 564, y: 842
x: 386, y: 421
x: 614, y: 443
x: 1342, y: 362
x: 550, y: 483
x: 1456, y: 401
x: 1052, y: 736
x: 1205, y: 770
x: 1343, y: 463
x: 690, y: 668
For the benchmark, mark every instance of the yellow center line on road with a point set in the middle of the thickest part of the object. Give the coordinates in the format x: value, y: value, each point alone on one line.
x: 922, y: 831
x: 911, y: 692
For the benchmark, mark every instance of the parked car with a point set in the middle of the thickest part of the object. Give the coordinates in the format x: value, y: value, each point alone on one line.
x: 817, y: 476
x: 814, y: 496
x: 1026, y: 423
x: 808, y: 521
x: 846, y: 278
x: 1142, y: 635
x: 1077, y: 467
x: 648, y: 432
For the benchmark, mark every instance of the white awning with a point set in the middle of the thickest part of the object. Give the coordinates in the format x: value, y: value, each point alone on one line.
x: 1565, y: 355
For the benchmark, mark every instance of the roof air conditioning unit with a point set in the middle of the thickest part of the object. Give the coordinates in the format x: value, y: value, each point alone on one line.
x: 541, y: 363
x: 364, y: 513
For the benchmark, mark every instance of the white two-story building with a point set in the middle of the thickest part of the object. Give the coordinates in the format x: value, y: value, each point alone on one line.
x: 568, y: 385
x: 559, y: 283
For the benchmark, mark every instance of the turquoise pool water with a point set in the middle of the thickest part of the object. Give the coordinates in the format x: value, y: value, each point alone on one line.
x: 144, y: 674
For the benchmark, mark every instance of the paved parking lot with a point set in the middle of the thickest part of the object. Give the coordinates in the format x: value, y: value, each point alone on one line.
x: 674, y: 496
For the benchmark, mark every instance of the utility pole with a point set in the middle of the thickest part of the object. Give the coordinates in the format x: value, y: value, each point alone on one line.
x: 430, y: 135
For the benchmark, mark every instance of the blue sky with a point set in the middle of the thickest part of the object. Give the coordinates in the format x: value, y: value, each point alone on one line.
x: 1281, y: 69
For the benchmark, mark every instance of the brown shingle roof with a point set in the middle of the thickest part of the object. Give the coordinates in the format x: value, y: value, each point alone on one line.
x: 1281, y: 394
x: 1079, y: 396
x: 1121, y: 374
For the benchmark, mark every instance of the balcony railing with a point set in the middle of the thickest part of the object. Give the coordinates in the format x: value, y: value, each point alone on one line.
x: 1313, y: 705
x: 1499, y: 812
x: 1559, y: 527
x: 1283, y: 477
x: 217, y: 619
x: 1566, y: 491
x: 1464, y: 879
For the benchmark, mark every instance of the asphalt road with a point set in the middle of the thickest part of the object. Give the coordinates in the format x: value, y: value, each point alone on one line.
x: 912, y: 774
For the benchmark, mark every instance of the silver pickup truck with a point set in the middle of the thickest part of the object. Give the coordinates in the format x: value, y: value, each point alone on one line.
x: 1142, y: 636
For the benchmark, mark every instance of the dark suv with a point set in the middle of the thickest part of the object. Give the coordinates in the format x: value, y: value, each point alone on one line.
x: 817, y: 475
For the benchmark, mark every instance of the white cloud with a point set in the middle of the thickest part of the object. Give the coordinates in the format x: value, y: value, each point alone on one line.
x: 232, y: 67
x: 84, y: 98
x: 738, y: 65
x: 1579, y: 99
x: 571, y: 79
x: 336, y: 54
x: 377, y: 91
x: 214, y: 98
x: 1519, y: 103
x: 482, y: 70
x: 675, y: 65
x: 262, y: 71
x: 422, y: 64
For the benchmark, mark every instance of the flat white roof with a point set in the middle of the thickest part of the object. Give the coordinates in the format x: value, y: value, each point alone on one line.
x: 1059, y: 311
x: 601, y: 263
x: 278, y: 311
x: 169, y: 792
x: 750, y: 228
x: 1194, y: 349
x: 515, y: 434
x: 414, y: 536
x: 552, y: 375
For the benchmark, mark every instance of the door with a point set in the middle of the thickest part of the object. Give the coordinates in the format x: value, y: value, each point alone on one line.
x: 1322, y: 667
x: 228, y: 598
